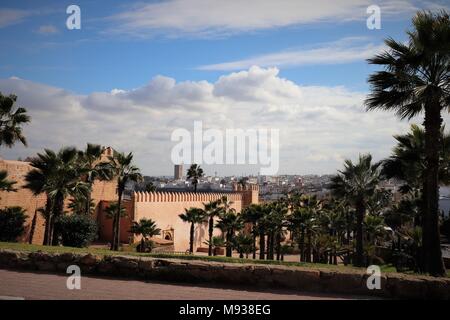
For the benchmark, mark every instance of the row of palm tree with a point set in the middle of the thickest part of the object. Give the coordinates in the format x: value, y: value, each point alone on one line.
x: 71, y: 173
x: 319, y: 230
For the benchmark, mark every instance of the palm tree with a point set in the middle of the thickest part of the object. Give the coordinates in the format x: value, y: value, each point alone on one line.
x: 194, y: 173
x: 59, y: 176
x: 212, y: 210
x: 121, y: 167
x: 93, y: 170
x: 407, y: 161
x: 147, y: 228
x: 357, y: 183
x: 11, y: 121
x: 78, y: 205
x: 244, y: 244
x: 193, y: 216
x: 252, y: 214
x: 415, y: 80
x: 229, y: 223
x: 243, y: 182
x: 5, y: 184
x: 150, y: 187
x: 111, y: 211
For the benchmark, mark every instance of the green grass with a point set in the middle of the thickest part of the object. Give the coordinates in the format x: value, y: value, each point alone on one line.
x: 103, y: 252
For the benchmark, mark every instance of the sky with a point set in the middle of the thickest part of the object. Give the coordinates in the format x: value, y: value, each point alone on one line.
x: 137, y: 71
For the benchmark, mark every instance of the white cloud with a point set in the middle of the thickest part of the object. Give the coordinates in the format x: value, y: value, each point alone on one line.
x: 207, y: 18
x: 319, y: 126
x: 12, y: 16
x: 342, y: 51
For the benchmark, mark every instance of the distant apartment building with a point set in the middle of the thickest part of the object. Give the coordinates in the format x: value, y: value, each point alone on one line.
x: 178, y: 172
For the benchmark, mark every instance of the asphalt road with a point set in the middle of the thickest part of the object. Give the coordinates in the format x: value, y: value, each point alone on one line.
x: 32, y: 285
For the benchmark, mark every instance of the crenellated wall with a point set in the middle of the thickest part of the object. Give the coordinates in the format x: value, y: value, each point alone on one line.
x: 17, y: 170
x: 165, y: 207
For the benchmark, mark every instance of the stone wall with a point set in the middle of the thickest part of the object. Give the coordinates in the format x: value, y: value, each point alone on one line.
x: 164, y: 208
x: 17, y: 170
x: 393, y: 285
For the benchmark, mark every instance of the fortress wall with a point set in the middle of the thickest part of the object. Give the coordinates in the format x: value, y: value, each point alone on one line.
x: 17, y: 170
x: 164, y: 208
x: 23, y: 198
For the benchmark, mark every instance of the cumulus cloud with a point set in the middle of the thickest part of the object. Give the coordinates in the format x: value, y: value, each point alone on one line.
x: 217, y: 17
x: 319, y: 126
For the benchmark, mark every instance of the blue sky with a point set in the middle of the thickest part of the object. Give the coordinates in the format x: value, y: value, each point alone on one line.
x: 125, y: 45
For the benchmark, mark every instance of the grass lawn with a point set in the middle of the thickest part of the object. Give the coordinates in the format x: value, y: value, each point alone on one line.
x: 102, y: 252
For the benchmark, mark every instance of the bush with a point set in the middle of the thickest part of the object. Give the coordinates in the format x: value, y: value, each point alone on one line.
x: 12, y: 223
x: 76, y: 230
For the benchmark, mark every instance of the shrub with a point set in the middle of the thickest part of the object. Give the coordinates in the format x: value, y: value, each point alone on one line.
x: 76, y: 230
x: 12, y: 223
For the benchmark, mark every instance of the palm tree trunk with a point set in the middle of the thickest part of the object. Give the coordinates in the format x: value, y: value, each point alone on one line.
x: 254, y: 242
x: 359, y: 256
x: 58, y: 210
x: 32, y: 228
x: 229, y: 251
x: 272, y: 244
x: 308, y: 247
x: 278, y: 245
x: 117, y: 229
x: 261, y: 245
x: 431, y: 238
x: 88, y: 200
x: 191, y: 239
x: 113, y: 232
x: 301, y: 245
x: 48, y: 213
x: 210, y: 232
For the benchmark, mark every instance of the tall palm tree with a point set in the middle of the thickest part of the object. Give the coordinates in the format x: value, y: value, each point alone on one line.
x: 212, y: 210
x: 357, y: 183
x: 145, y: 227
x: 416, y: 79
x: 252, y: 214
x: 310, y: 210
x: 193, y: 216
x: 121, y: 168
x: 93, y: 168
x: 194, y: 174
x: 59, y: 176
x: 229, y: 223
x: 11, y: 121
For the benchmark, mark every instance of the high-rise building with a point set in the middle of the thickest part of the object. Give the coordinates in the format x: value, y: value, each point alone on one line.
x: 178, y: 172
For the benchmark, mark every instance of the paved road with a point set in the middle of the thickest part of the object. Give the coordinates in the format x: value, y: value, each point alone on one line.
x: 31, y: 285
